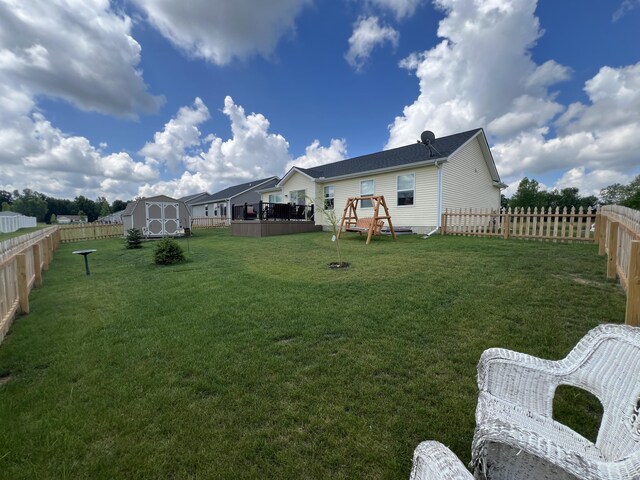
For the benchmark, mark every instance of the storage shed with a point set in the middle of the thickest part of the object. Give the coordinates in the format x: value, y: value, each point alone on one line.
x: 158, y: 216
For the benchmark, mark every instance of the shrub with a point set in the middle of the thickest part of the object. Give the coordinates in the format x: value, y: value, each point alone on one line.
x: 168, y: 252
x: 134, y: 238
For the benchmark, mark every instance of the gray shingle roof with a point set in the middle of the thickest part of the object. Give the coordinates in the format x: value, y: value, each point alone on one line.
x: 231, y: 192
x: 395, y: 157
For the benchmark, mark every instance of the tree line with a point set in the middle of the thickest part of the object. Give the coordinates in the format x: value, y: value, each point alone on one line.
x: 47, y: 209
x: 530, y: 194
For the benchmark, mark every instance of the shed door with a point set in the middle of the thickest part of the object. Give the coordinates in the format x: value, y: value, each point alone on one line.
x: 162, y: 218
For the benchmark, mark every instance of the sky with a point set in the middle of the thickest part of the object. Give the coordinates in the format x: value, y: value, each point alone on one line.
x: 128, y: 98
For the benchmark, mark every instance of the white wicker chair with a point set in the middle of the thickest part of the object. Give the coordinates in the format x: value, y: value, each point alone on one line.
x: 516, y: 436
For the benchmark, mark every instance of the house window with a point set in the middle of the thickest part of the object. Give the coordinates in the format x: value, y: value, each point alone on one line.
x: 406, y: 188
x: 367, y: 187
x: 329, y: 195
x: 206, y: 210
x: 275, y: 198
x: 297, y: 197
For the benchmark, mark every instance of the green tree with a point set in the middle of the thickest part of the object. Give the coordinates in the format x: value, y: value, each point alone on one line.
x: 53, y: 218
x: 5, y: 197
x: 118, y: 205
x: 30, y: 203
x: 626, y: 195
x: 87, y: 206
x: 104, y: 207
x: 528, y: 194
x: 6, y: 207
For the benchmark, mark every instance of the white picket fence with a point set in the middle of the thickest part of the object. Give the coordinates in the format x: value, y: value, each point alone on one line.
x: 11, y: 223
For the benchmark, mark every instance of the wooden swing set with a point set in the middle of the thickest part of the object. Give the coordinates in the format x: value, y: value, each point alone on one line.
x: 370, y: 225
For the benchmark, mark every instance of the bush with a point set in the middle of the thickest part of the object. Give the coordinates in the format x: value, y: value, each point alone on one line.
x: 168, y: 252
x: 134, y: 238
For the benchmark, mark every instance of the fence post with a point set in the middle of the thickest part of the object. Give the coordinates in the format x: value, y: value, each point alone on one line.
x: 443, y: 223
x: 506, y: 223
x: 596, y: 230
x: 260, y: 210
x: 613, y: 250
x: 23, y: 285
x: 632, y: 316
x: 602, y: 232
x: 37, y: 264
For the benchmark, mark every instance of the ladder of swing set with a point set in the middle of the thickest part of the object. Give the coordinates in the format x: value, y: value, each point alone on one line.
x: 371, y: 225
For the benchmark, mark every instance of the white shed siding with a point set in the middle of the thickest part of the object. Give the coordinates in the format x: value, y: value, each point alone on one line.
x: 420, y: 216
x: 466, y: 181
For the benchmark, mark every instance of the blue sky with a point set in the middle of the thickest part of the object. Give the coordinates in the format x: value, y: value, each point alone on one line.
x: 138, y: 97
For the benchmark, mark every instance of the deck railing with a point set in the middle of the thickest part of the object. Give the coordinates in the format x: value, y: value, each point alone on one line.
x: 266, y: 211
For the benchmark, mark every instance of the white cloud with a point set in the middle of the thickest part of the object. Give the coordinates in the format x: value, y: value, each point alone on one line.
x: 57, y: 164
x: 83, y: 52
x: 368, y: 34
x: 79, y: 50
x: 482, y: 75
x: 315, y: 154
x: 625, y: 7
x: 590, y: 182
x: 220, y: 30
x: 251, y: 153
x: 400, y: 8
x: 179, y: 134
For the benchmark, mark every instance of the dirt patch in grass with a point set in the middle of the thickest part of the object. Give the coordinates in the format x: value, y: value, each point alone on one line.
x: 4, y: 379
x: 583, y: 281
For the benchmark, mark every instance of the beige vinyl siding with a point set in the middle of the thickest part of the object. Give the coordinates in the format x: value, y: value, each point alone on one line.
x: 298, y: 181
x: 466, y: 181
x: 420, y: 215
x: 265, y: 196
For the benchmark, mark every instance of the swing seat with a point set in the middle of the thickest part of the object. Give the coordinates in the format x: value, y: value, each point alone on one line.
x: 363, y: 225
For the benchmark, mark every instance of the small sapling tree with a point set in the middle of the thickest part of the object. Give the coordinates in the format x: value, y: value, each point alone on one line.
x: 329, y: 213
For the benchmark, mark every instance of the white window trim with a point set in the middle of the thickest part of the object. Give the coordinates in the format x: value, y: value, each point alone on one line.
x: 406, y: 190
x: 325, y: 198
x: 367, y: 195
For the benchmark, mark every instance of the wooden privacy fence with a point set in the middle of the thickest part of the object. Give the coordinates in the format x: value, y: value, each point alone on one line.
x: 208, y: 222
x: 90, y: 231
x: 556, y: 225
x: 618, y: 236
x: 22, y: 260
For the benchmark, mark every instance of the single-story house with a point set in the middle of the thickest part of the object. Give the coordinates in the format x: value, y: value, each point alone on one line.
x: 158, y: 216
x: 419, y: 181
x: 191, y: 199
x: 218, y: 205
x: 65, y: 219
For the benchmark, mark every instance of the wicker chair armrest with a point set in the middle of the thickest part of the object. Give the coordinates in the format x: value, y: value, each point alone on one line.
x: 433, y: 461
x: 521, y: 379
x: 547, y: 441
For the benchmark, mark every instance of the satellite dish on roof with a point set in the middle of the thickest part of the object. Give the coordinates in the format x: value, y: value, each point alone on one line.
x: 427, y: 137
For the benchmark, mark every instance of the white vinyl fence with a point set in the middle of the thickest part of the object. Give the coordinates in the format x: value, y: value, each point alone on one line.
x: 11, y: 223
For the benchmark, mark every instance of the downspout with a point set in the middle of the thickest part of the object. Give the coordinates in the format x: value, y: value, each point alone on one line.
x: 439, y: 209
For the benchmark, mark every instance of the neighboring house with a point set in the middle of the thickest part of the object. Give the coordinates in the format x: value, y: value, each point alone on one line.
x: 218, y: 205
x: 158, y: 216
x: 418, y: 181
x: 191, y: 199
x: 66, y: 219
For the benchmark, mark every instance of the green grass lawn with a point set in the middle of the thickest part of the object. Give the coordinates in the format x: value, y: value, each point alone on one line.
x: 254, y: 360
